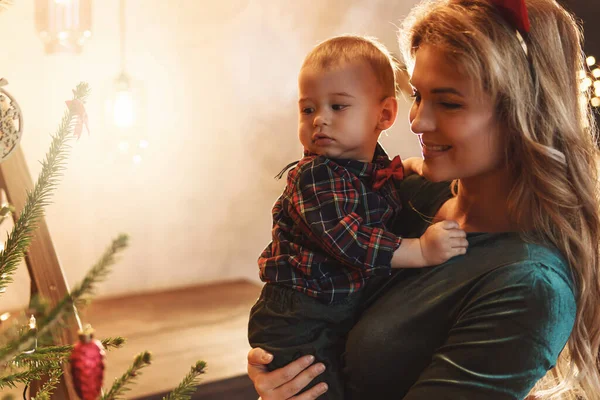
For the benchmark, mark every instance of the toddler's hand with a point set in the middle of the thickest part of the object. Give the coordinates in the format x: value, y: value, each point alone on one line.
x: 442, y: 241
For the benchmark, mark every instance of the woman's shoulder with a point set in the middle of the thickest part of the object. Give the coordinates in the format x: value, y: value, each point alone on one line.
x: 510, y: 251
x: 537, y: 274
x: 418, y: 189
x: 531, y: 282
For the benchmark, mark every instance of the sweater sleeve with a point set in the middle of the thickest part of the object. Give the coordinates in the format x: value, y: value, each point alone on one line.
x: 507, y: 336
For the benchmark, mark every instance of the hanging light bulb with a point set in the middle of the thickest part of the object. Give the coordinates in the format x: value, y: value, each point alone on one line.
x: 125, y: 106
x: 63, y: 25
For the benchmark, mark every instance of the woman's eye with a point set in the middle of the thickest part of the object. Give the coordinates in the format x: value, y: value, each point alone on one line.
x: 338, y: 107
x: 452, y: 106
x: 416, y: 96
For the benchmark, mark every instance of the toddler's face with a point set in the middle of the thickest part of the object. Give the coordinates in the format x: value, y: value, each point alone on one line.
x: 338, y: 109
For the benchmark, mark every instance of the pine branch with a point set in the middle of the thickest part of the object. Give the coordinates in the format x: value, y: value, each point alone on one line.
x: 86, y: 288
x: 99, y: 271
x: 60, y: 353
x: 120, y: 385
x: 19, y: 239
x: 188, y: 385
x: 46, y: 390
x: 116, y: 342
x: 27, y: 376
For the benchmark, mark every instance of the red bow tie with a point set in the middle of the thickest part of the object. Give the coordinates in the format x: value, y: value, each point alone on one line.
x: 394, y: 170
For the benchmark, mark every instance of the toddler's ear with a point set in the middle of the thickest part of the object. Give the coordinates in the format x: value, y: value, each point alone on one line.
x: 389, y: 111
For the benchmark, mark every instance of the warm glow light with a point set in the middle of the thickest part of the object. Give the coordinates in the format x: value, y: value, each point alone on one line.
x: 61, y: 1
x: 137, y: 159
x: 87, y: 34
x: 587, y: 82
x: 123, y: 109
x: 591, y: 60
x: 4, y: 316
x: 597, y: 91
x: 124, y: 146
x: 596, y: 73
x: 596, y: 102
x: 143, y: 144
x: 581, y: 74
x: 32, y: 323
x: 63, y: 35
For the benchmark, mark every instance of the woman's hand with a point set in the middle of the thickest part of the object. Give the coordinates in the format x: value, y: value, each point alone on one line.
x: 285, y: 382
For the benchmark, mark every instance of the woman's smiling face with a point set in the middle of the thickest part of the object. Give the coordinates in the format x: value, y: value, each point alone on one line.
x: 456, y: 125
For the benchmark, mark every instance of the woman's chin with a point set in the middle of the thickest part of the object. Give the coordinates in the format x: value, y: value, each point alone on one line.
x: 435, y: 176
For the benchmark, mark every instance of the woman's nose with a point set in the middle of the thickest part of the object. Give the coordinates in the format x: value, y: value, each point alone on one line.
x: 421, y: 119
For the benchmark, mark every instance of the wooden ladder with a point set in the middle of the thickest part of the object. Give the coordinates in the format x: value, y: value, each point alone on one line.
x: 47, y: 277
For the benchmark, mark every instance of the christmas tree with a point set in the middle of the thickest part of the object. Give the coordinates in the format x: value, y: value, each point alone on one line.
x: 27, y: 352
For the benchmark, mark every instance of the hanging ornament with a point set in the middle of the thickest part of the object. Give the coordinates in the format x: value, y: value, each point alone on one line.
x: 77, y: 108
x: 87, y: 365
x: 11, y: 123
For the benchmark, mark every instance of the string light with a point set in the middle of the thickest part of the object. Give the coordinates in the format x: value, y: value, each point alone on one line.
x: 32, y: 327
x: 591, y: 60
x: 589, y: 82
x: 32, y: 322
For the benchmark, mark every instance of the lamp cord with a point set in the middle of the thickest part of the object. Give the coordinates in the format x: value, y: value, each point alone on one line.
x: 122, y: 33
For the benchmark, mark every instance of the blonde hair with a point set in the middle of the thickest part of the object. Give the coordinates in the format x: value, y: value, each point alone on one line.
x: 550, y: 146
x: 350, y: 48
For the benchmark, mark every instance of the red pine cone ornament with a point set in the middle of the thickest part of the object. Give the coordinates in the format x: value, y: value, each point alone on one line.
x: 87, y: 365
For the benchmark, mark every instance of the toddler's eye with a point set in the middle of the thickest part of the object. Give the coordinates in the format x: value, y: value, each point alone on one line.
x: 307, y: 110
x: 338, y: 107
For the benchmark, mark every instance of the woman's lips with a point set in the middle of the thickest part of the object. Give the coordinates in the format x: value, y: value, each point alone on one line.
x: 434, y: 150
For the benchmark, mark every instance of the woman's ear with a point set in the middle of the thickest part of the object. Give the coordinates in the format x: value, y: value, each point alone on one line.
x: 389, y: 111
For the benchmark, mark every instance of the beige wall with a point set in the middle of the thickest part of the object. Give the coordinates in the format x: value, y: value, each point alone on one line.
x: 220, y: 84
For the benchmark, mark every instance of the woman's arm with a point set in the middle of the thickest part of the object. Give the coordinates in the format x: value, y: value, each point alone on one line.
x: 506, y: 337
x: 286, y: 382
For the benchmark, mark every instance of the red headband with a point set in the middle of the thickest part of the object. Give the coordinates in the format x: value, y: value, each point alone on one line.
x: 515, y: 12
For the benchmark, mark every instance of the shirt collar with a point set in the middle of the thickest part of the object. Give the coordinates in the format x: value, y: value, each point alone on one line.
x: 360, y: 168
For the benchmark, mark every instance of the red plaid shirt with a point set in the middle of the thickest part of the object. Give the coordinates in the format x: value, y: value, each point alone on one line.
x: 329, y: 228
